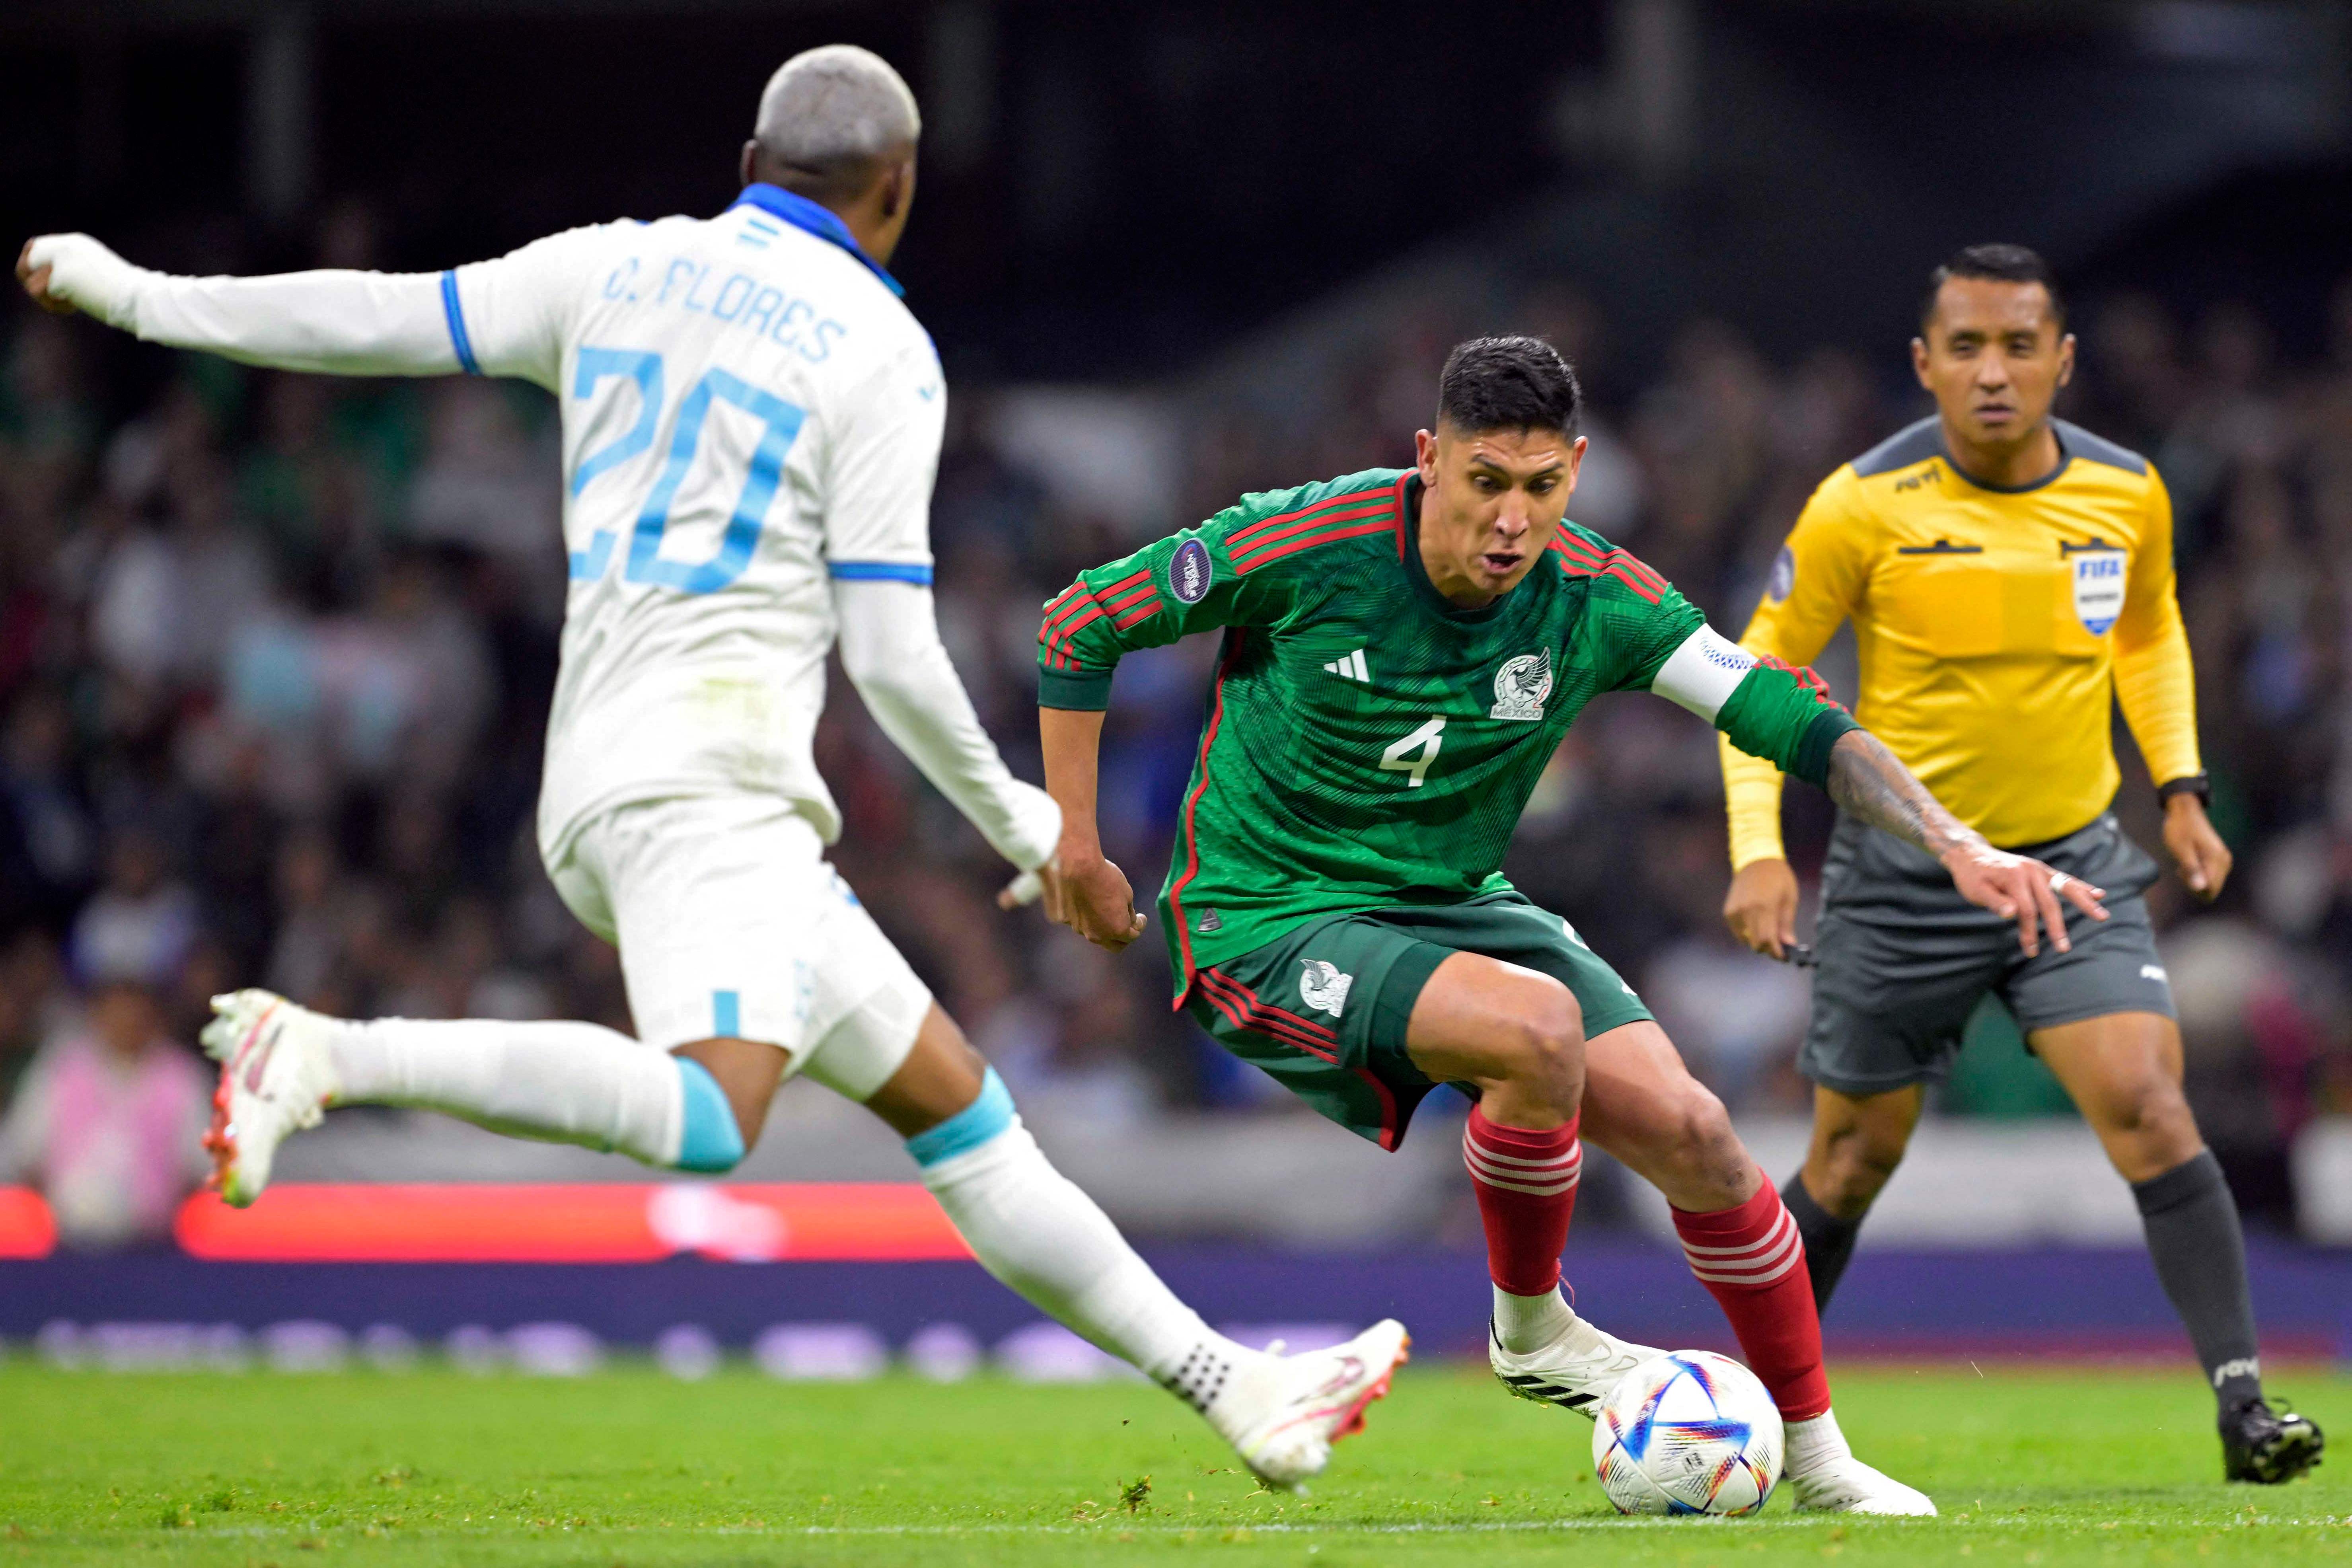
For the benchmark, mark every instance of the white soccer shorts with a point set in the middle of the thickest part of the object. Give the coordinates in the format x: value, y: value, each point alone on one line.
x: 730, y: 922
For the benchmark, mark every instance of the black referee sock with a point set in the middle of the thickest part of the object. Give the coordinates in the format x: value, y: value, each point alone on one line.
x: 1829, y: 1240
x: 2201, y: 1256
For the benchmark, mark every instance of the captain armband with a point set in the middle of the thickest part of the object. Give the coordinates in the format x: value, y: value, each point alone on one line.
x: 1702, y: 674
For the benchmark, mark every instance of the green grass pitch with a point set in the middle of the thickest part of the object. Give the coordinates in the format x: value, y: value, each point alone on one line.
x: 2031, y: 1465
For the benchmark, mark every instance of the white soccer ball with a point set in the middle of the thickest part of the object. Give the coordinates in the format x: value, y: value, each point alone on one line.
x: 1693, y: 1432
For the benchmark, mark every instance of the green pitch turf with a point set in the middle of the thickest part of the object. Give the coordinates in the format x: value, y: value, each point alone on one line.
x: 433, y: 1467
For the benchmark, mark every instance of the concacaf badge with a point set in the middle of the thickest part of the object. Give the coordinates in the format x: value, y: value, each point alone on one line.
x: 1322, y: 987
x: 1188, y: 572
x: 1521, y: 686
x: 2099, y: 588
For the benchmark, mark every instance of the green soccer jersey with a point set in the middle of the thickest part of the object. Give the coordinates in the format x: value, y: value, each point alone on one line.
x: 1367, y: 743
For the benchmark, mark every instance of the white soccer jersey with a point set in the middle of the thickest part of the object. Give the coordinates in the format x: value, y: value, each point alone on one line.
x: 748, y: 409
x: 752, y: 424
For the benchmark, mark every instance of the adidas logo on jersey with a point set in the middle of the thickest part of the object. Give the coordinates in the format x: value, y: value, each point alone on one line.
x: 1351, y: 667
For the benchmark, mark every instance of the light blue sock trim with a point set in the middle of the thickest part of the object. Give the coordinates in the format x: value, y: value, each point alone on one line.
x: 710, y: 1141
x: 968, y: 1129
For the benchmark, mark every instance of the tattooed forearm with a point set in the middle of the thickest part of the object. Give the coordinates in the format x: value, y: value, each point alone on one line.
x: 1868, y: 782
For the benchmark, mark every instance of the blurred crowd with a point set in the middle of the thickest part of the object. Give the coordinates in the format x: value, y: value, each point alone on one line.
x: 275, y: 654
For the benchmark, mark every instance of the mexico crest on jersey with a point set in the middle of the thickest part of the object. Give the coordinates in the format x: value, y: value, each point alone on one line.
x: 1322, y: 987
x: 2098, y: 587
x: 1521, y: 686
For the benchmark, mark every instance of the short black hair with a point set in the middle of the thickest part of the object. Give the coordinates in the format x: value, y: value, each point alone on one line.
x: 1509, y: 383
x: 2006, y: 263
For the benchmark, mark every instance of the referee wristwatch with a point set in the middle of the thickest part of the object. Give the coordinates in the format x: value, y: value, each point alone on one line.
x: 2198, y: 785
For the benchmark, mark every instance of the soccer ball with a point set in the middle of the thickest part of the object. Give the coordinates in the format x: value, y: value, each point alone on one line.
x: 1688, y: 1432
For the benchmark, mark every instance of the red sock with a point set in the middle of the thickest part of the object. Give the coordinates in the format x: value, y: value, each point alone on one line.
x: 1527, y: 1190
x: 1752, y: 1261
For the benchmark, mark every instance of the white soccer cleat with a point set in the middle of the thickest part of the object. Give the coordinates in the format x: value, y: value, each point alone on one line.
x: 1312, y: 1400
x: 1575, y: 1370
x: 275, y: 1079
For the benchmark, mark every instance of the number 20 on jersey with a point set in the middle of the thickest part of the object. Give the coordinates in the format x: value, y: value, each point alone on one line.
x: 646, y: 563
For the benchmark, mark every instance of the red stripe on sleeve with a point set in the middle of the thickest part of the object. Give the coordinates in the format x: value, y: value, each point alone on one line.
x: 1640, y: 569
x: 1079, y: 597
x: 1257, y: 547
x: 1063, y: 607
x: 1328, y: 503
x: 1114, y: 603
x: 1061, y: 643
x: 1575, y: 550
x: 1633, y: 583
x: 1295, y: 545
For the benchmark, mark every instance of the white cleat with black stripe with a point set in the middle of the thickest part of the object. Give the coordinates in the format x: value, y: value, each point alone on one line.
x: 1575, y: 1370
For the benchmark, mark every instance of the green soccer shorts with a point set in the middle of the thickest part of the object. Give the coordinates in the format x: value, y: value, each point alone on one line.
x: 1324, y: 1008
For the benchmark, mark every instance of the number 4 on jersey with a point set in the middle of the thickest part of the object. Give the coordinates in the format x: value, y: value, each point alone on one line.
x: 1415, y: 753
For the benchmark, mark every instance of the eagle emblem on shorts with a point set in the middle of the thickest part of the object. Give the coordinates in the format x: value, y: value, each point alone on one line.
x: 1521, y: 686
x: 1322, y: 987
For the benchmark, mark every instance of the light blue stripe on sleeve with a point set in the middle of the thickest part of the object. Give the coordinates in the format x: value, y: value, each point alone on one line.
x: 455, y: 313
x: 913, y: 572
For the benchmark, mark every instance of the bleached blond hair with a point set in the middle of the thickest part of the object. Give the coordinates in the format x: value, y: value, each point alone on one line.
x: 836, y: 111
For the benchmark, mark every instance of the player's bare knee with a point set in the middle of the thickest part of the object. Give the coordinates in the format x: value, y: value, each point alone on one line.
x: 1705, y: 1146
x: 1547, y: 1051
x: 1860, y: 1160
x: 2151, y: 1111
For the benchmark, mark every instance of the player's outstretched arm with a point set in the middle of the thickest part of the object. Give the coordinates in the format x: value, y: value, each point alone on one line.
x: 1082, y: 891
x: 1870, y: 782
x: 339, y: 322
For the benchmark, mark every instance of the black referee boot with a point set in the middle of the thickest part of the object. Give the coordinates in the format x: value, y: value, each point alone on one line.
x: 2268, y: 1446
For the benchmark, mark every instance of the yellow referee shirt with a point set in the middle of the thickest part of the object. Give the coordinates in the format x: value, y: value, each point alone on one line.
x: 1996, y: 629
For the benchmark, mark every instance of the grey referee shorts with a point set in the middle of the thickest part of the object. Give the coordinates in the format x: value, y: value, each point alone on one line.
x: 1903, y: 959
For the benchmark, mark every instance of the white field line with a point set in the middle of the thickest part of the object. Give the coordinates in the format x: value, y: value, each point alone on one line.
x: 1113, y: 1526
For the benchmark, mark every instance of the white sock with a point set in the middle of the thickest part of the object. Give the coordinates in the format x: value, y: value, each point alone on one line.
x: 1033, y: 1228
x: 566, y: 1083
x: 1528, y: 1323
x: 1810, y: 1444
